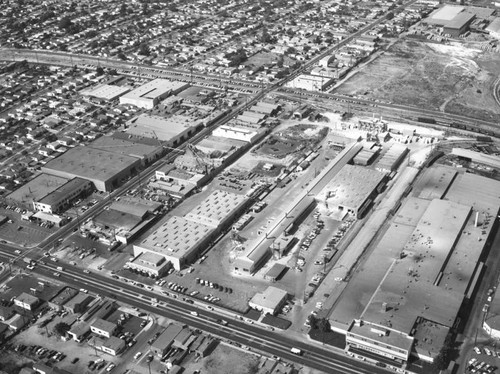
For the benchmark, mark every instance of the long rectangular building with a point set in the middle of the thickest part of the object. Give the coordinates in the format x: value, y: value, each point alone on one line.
x: 180, y: 239
x: 149, y: 94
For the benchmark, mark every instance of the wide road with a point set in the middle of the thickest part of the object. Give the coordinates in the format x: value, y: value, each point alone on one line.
x: 250, y: 335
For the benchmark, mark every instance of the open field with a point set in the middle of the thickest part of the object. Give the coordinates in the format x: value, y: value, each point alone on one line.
x: 450, y: 78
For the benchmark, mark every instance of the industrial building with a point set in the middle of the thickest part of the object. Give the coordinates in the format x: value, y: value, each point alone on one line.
x: 458, y: 25
x: 237, y: 133
x: 180, y: 239
x: 170, y: 131
x: 352, y: 190
x: 161, y: 345
x: 219, y: 208
x: 477, y: 157
x: 310, y: 82
x: 392, y: 159
x: 50, y: 194
x: 107, y: 92
x: 427, y: 269
x: 150, y: 264
x: 494, y: 28
x: 151, y: 93
x: 129, y: 147
x: 105, y: 169
x: 455, y: 20
x: 270, y: 301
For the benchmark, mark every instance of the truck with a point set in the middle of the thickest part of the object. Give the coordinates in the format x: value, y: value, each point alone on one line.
x: 296, y: 351
x: 29, y: 261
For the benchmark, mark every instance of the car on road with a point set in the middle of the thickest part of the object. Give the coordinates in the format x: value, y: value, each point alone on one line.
x: 110, y: 367
x: 56, y: 274
x: 137, y: 355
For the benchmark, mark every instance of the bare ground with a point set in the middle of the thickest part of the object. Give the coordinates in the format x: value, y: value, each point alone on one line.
x: 450, y: 78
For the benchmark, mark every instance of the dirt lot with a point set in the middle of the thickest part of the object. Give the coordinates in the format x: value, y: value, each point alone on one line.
x: 450, y: 78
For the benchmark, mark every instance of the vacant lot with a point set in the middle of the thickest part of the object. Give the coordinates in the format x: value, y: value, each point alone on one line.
x: 449, y: 78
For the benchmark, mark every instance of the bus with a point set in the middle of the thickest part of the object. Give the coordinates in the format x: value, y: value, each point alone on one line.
x: 296, y: 351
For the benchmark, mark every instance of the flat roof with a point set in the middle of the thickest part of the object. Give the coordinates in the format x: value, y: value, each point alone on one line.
x: 494, y: 26
x: 275, y: 270
x: 104, y: 325
x: 90, y: 163
x: 117, y: 219
x: 176, y: 237
x: 216, y: 208
x: 460, y: 20
x: 435, y: 182
x: 444, y: 14
x: 167, y: 336
x: 37, y: 188
x: 351, y: 186
x: 269, y: 298
x: 136, y: 208
x: 125, y: 146
x: 63, y: 191
x: 411, y: 285
x: 162, y: 128
x: 480, y: 192
x: 391, y: 337
x: 153, y: 89
x: 481, y: 158
x: 390, y: 158
x: 219, y: 143
x: 411, y: 211
x: 63, y: 296
x: 107, y: 91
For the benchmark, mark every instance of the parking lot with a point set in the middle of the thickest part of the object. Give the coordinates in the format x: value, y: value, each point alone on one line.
x: 484, y: 360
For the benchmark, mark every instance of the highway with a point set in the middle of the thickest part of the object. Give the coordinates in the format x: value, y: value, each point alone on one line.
x: 240, y: 332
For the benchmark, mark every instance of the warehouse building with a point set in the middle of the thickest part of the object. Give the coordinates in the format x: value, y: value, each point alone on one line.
x: 171, y: 131
x: 105, y: 169
x: 455, y: 20
x: 150, y: 264
x: 352, y: 190
x: 219, y: 208
x: 107, y: 92
x: 428, y: 266
x: 477, y: 157
x: 270, y: 301
x: 145, y: 152
x: 237, y: 133
x: 151, y: 93
x: 392, y: 159
x: 458, y: 25
x: 62, y: 198
x: 494, y: 28
x: 161, y: 345
x: 180, y: 239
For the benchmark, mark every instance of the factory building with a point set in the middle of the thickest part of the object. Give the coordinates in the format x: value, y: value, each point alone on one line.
x: 345, y: 194
x: 105, y: 169
x: 151, y: 93
x: 180, y: 239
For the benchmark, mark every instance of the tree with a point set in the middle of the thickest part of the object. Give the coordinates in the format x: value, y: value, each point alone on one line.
x: 443, y: 358
x: 324, y: 325
x: 313, y: 321
x: 144, y: 49
x: 61, y: 328
x: 99, y: 71
x: 65, y: 23
x: 121, y: 56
